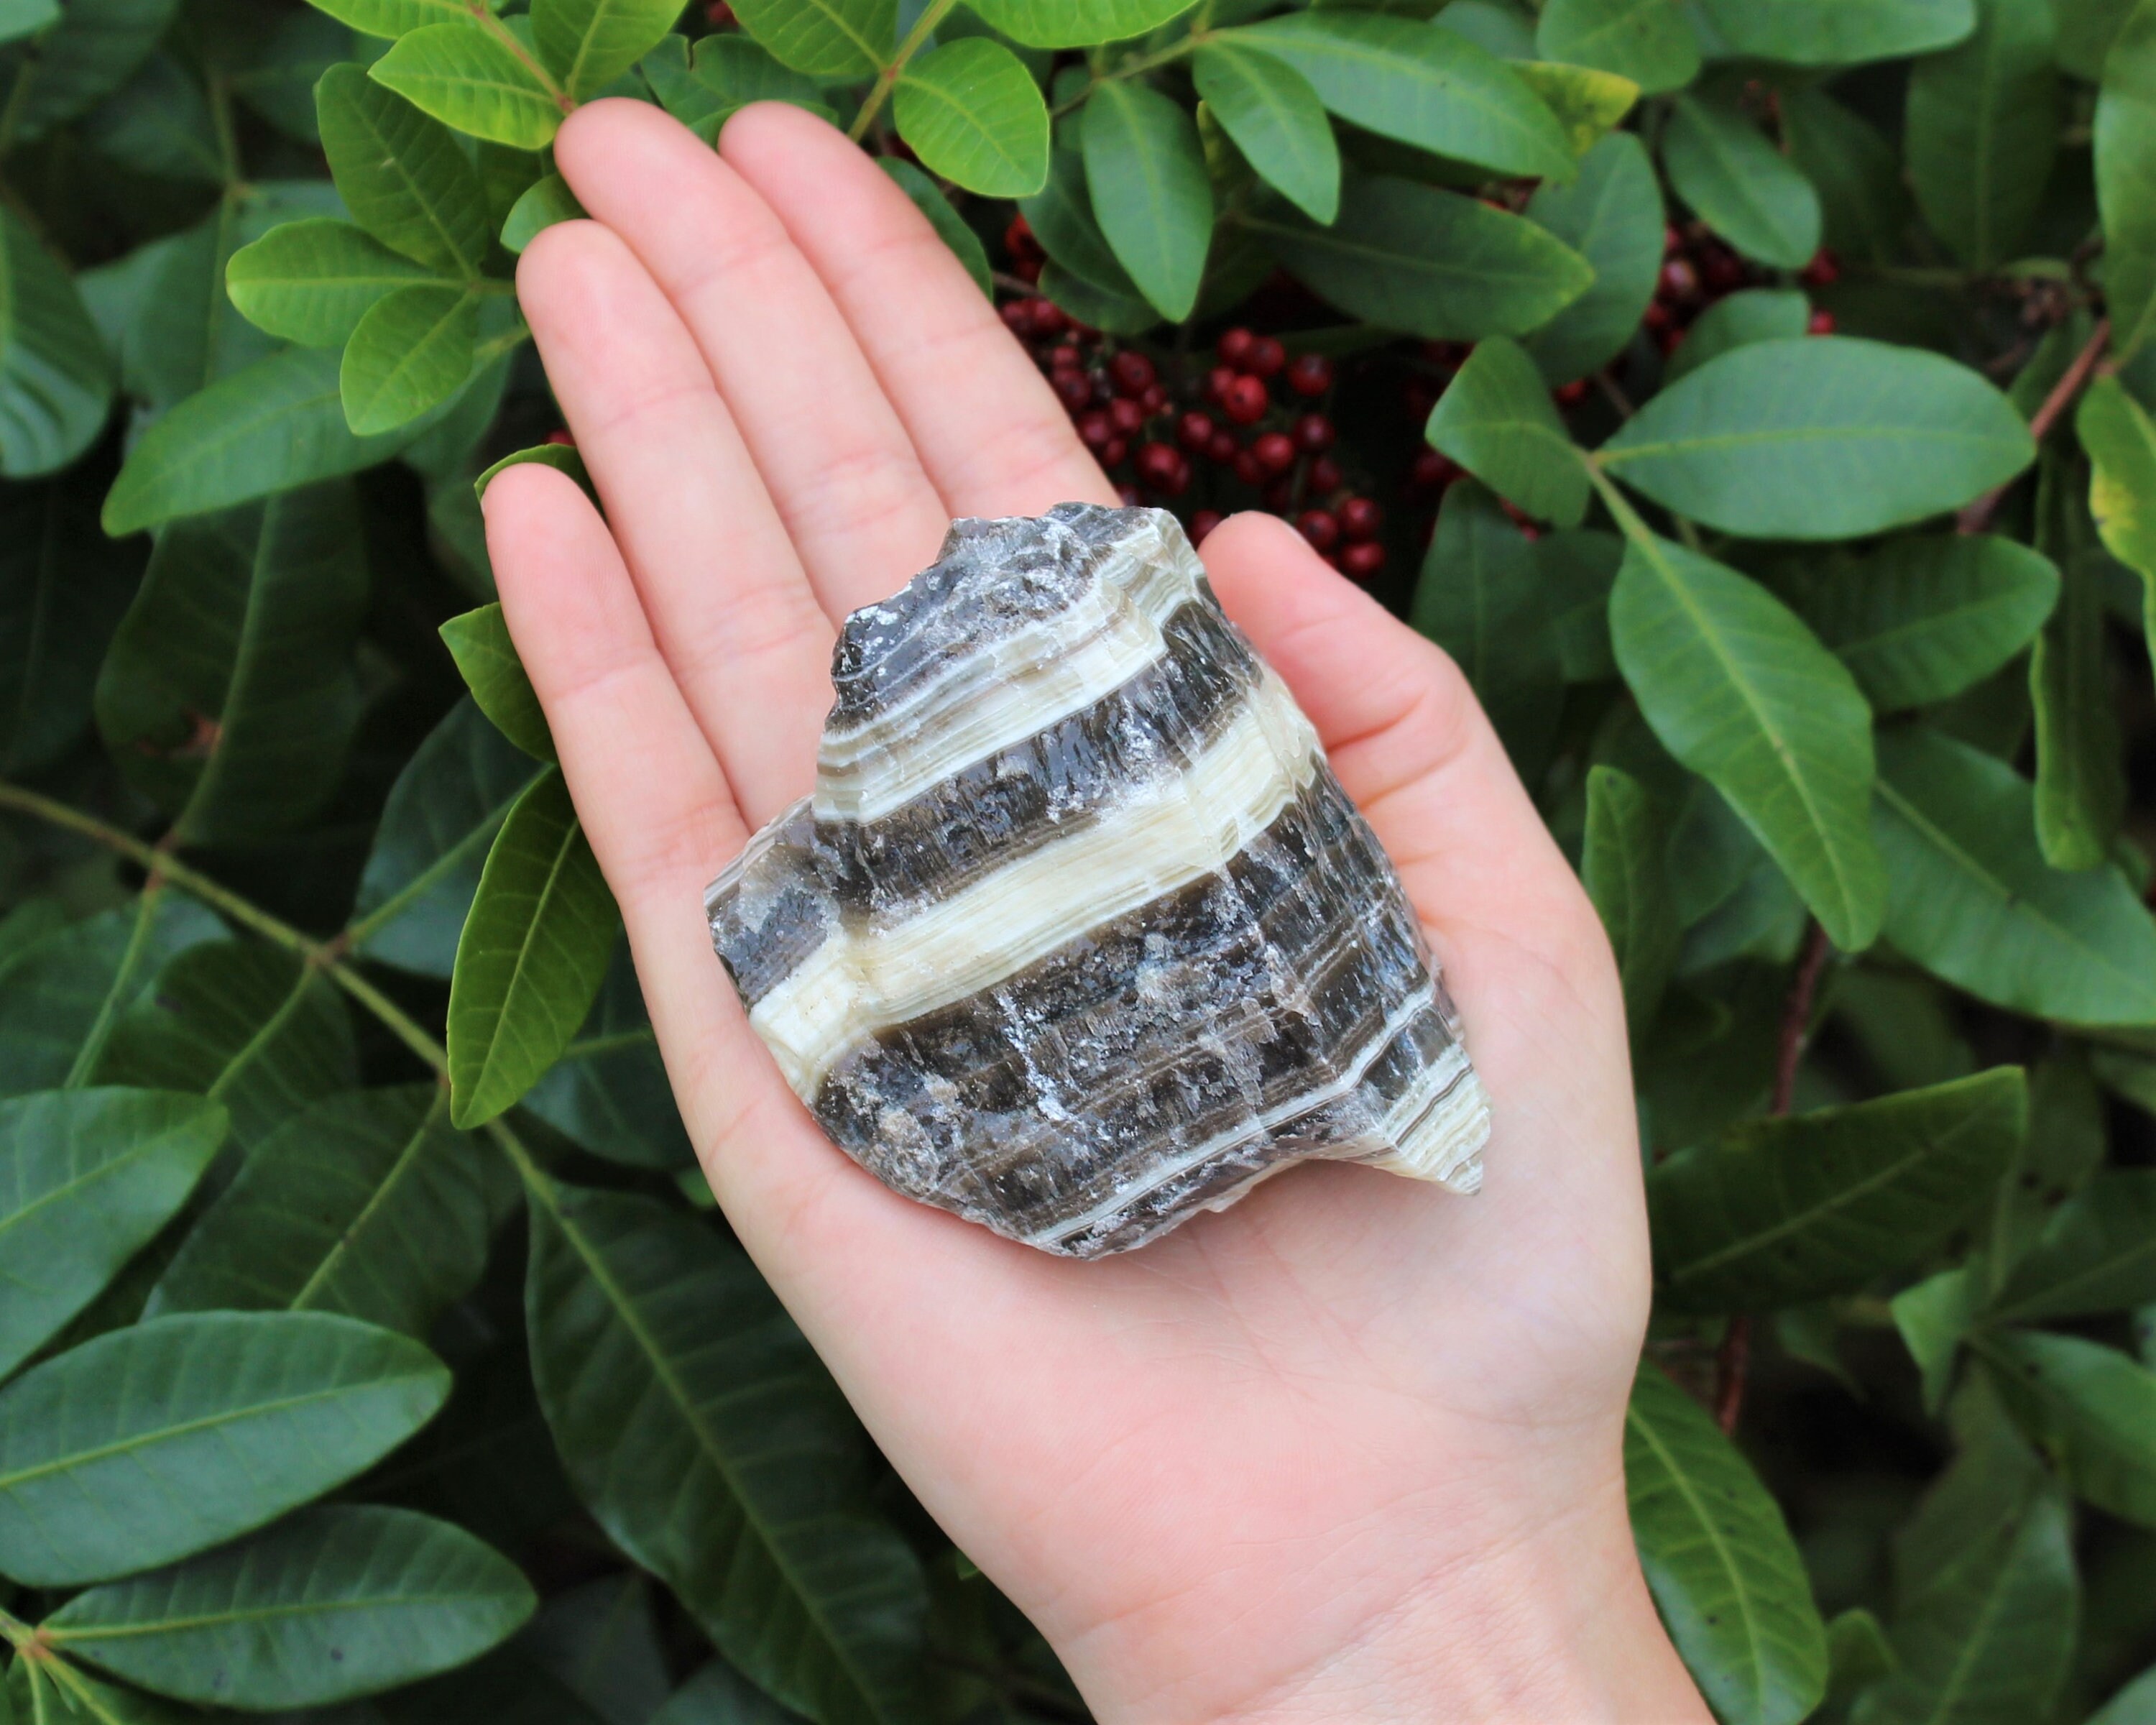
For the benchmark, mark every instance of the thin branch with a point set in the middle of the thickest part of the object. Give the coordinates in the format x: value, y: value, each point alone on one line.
x: 1976, y: 518
x: 924, y: 27
x: 1134, y: 68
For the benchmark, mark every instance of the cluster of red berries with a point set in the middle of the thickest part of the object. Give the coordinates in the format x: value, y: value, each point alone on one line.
x: 1698, y: 270
x: 1252, y: 422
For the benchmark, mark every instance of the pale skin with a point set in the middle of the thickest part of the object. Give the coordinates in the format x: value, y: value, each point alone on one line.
x: 1351, y: 1449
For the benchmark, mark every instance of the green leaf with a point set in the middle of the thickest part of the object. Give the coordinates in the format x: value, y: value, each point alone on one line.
x: 69, y: 69
x: 2081, y: 774
x: 531, y: 957
x: 55, y: 381
x: 60, y: 993
x: 1433, y: 264
x: 443, y: 813
x: 2097, y: 1253
x: 159, y: 123
x: 2133, y: 1705
x: 609, y: 1090
x: 1750, y: 314
x: 1621, y: 866
x: 275, y: 425
x: 478, y: 641
x: 1496, y: 420
x: 2120, y: 441
x: 468, y: 77
x: 717, y: 1695
x: 1480, y: 599
x: 1739, y: 184
x: 1720, y: 1562
x: 1740, y: 691
x: 366, y: 1203
x: 825, y: 38
x: 394, y: 18
x: 972, y: 112
x: 1648, y: 41
x: 1986, y: 1597
x: 1934, y: 1318
x: 1611, y: 214
x: 1971, y: 898
x: 2066, y: 1143
x: 1277, y: 121
x: 339, y: 1600
x: 188, y: 1430
x: 44, y: 1696
x: 1837, y: 32
x: 665, y: 1364
x: 313, y: 281
x: 402, y: 174
x: 87, y: 1177
x: 1587, y: 103
x: 1982, y: 129
x: 412, y: 350
x: 1577, y: 570
x: 950, y: 225
x: 63, y: 587
x: 546, y: 201
x: 22, y: 17
x: 2091, y: 1407
x: 1797, y: 1207
x: 1420, y: 84
x: 1922, y: 618
x: 588, y: 44
x: 562, y: 458
x: 230, y: 695
x: 726, y: 73
x: 1061, y: 217
x: 1864, y: 201
x: 1822, y: 438
x: 241, y: 1023
x: 274, y: 70
x: 1076, y: 23
x: 2125, y: 129
x: 1145, y: 175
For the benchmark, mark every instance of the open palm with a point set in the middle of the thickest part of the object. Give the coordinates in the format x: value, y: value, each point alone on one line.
x: 1350, y: 1449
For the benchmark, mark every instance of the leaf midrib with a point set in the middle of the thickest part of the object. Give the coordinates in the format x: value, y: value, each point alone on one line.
x: 348, y: 1236
x: 63, y: 1635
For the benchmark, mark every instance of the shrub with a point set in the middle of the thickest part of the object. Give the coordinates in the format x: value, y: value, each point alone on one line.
x: 359, y: 1297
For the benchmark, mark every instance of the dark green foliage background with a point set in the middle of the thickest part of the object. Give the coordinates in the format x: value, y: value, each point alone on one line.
x: 369, y: 1349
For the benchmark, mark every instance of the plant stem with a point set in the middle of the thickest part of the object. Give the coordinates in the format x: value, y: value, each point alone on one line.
x: 1735, y: 1353
x: 924, y: 27
x: 1136, y: 68
x: 1976, y: 517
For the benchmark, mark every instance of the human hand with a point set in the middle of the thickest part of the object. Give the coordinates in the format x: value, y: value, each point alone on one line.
x: 1351, y: 1449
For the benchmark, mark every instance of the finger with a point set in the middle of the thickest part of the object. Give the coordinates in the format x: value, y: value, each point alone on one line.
x: 729, y: 606
x: 833, y: 456
x: 990, y: 432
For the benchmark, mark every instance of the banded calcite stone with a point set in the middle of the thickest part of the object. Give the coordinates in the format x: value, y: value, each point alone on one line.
x: 1078, y: 935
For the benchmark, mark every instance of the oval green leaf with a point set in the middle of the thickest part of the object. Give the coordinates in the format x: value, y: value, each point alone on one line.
x: 1611, y: 214
x: 1277, y: 121
x: 1650, y: 42
x: 482, y: 82
x: 825, y: 38
x: 2091, y: 1407
x: 1621, y: 865
x: 1838, y: 33
x: 1749, y: 315
x: 1822, y: 437
x: 588, y: 44
x: 402, y: 176
x: 2096, y: 1254
x: 1146, y: 179
x: 478, y: 641
x: 972, y: 112
x: 609, y: 1090
x: 1739, y: 690
x: 1740, y: 185
x: 2120, y: 441
x: 2126, y: 180
x: 1077, y: 23
x: 533, y: 952
x: 413, y: 351
x: 55, y: 381
x: 311, y: 281
x: 189, y: 1430
x: 1982, y: 129
x: 1496, y: 420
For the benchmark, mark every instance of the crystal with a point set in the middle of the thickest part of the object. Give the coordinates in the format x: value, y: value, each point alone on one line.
x: 1078, y: 935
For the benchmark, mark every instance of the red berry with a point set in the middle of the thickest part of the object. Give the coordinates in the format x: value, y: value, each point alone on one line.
x: 1016, y: 316
x: 1324, y: 475
x: 1572, y: 395
x: 1669, y: 341
x: 1193, y: 430
x: 719, y: 15
x: 1220, y: 381
x: 1433, y: 470
x: 1113, y: 451
x: 1275, y: 451
x: 1244, y: 401
x: 1094, y: 430
x: 1019, y: 240
x: 1130, y: 495
x: 1360, y: 518
x: 1202, y: 523
x: 1724, y: 271
x: 1133, y: 372
x: 1162, y: 467
x: 1319, y: 527
x: 1247, y: 468
x: 1313, y: 433
x: 1026, y: 269
x: 1672, y: 239
x: 1679, y: 279
x: 1223, y: 449
x: 1657, y: 318
x: 1049, y: 318
x: 1309, y: 374
x: 1125, y: 415
x: 1362, y: 560
x: 1154, y: 400
x: 562, y: 438
x: 1820, y: 323
x: 1824, y: 270
x: 1266, y: 357
x: 1234, y: 346
x: 1064, y: 356
x: 1073, y: 389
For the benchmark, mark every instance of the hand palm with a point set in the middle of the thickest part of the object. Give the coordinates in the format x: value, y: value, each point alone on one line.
x: 1207, y: 1467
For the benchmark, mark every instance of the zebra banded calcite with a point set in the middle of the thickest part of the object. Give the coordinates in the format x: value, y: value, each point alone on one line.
x: 1078, y: 935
